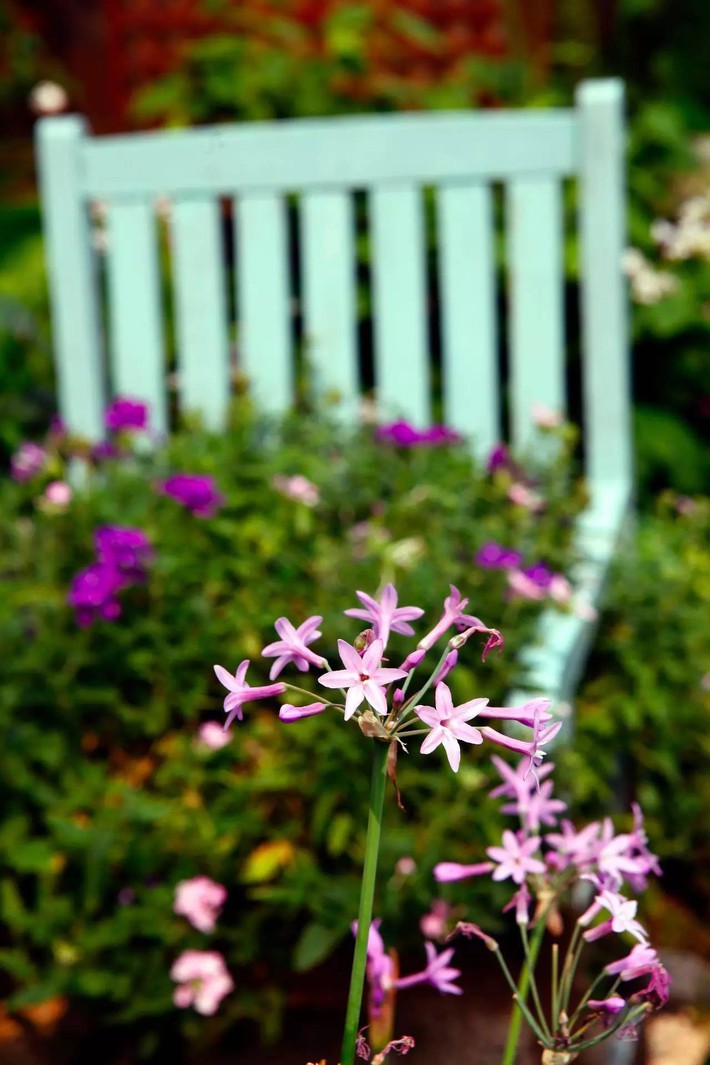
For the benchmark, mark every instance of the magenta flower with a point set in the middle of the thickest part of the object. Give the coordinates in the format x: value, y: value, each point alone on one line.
x: 289, y: 713
x: 657, y: 991
x: 454, y: 607
x: 515, y: 858
x: 404, y: 434
x: 28, y: 460
x: 499, y: 459
x: 363, y: 676
x: 446, y: 872
x: 292, y: 647
x: 448, y: 724
x: 200, y: 900
x: 437, y: 973
x: 240, y: 692
x: 607, y: 1008
x: 127, y: 550
x: 93, y: 594
x: 212, y: 736
x: 126, y: 414
x: 203, y: 980
x: 492, y: 556
x: 198, y: 493
x: 385, y: 616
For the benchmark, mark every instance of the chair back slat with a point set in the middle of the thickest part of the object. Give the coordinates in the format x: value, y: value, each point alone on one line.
x: 465, y: 231
x: 328, y: 287
x: 399, y: 295
x: 264, y: 337
x: 73, y: 275
x: 138, y: 366
x: 200, y: 309
x: 606, y: 366
x: 536, y: 313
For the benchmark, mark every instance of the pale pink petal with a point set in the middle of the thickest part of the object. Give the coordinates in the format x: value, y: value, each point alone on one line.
x: 432, y: 741
x: 226, y: 678
x: 352, y: 700
x: 375, y: 697
x: 339, y: 678
x: 453, y: 751
x: 350, y: 658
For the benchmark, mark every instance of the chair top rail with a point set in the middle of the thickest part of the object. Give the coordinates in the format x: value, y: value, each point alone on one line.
x: 354, y: 152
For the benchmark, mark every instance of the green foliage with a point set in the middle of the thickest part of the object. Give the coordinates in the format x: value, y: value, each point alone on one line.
x: 108, y: 801
x: 641, y: 731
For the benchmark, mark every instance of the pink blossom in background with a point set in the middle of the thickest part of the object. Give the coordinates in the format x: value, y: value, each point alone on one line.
x: 48, y: 98
x: 200, y: 901
x: 523, y: 586
x: 298, y: 488
x: 433, y: 924
x: 240, y: 692
x: 213, y: 736
x: 405, y: 866
x: 28, y: 460
x: 292, y: 647
x: 523, y: 496
x: 545, y: 417
x: 363, y: 676
x: 125, y: 414
x: 385, y: 616
x: 58, y: 494
x: 203, y: 980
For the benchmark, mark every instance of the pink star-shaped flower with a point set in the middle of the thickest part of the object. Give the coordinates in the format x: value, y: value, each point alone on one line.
x: 292, y: 647
x: 448, y: 724
x: 386, y: 616
x: 363, y: 676
x: 515, y: 858
x: 240, y: 692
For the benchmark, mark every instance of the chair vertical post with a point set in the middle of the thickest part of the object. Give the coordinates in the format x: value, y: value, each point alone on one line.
x: 72, y: 269
x: 606, y: 376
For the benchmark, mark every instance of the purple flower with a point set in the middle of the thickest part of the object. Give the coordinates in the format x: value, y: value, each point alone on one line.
x: 607, y: 1008
x: 493, y: 556
x: 28, y: 460
x: 403, y: 434
x: 437, y: 972
x: 363, y: 677
x: 292, y: 647
x: 657, y: 990
x: 499, y: 459
x: 126, y: 414
x: 448, y: 724
x: 93, y: 593
x: 240, y: 692
x: 385, y: 616
x: 515, y: 858
x: 540, y: 575
x: 537, y: 807
x: 198, y: 493
x: 124, y: 549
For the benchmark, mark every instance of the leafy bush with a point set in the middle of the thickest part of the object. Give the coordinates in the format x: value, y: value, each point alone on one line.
x: 641, y: 729
x: 108, y: 797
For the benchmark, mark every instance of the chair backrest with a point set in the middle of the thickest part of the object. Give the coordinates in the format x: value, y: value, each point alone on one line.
x: 320, y: 165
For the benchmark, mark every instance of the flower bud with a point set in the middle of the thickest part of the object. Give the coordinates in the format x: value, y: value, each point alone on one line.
x: 363, y: 640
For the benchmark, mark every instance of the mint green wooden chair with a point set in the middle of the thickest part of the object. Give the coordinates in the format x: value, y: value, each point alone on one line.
x: 323, y: 162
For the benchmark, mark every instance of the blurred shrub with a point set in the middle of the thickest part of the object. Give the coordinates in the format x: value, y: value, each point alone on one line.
x: 108, y: 799
x: 641, y: 725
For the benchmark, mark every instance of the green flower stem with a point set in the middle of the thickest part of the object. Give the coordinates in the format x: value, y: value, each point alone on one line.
x: 530, y: 963
x: 367, y: 892
x: 516, y: 1020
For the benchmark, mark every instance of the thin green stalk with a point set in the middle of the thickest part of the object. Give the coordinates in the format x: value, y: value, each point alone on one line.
x: 530, y: 963
x: 367, y: 892
x: 516, y: 1020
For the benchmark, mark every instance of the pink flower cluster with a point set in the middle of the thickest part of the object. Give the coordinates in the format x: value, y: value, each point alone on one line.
x: 201, y: 975
x: 365, y: 683
x: 542, y: 865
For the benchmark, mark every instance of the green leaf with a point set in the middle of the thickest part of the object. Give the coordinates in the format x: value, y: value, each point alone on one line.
x: 314, y: 946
